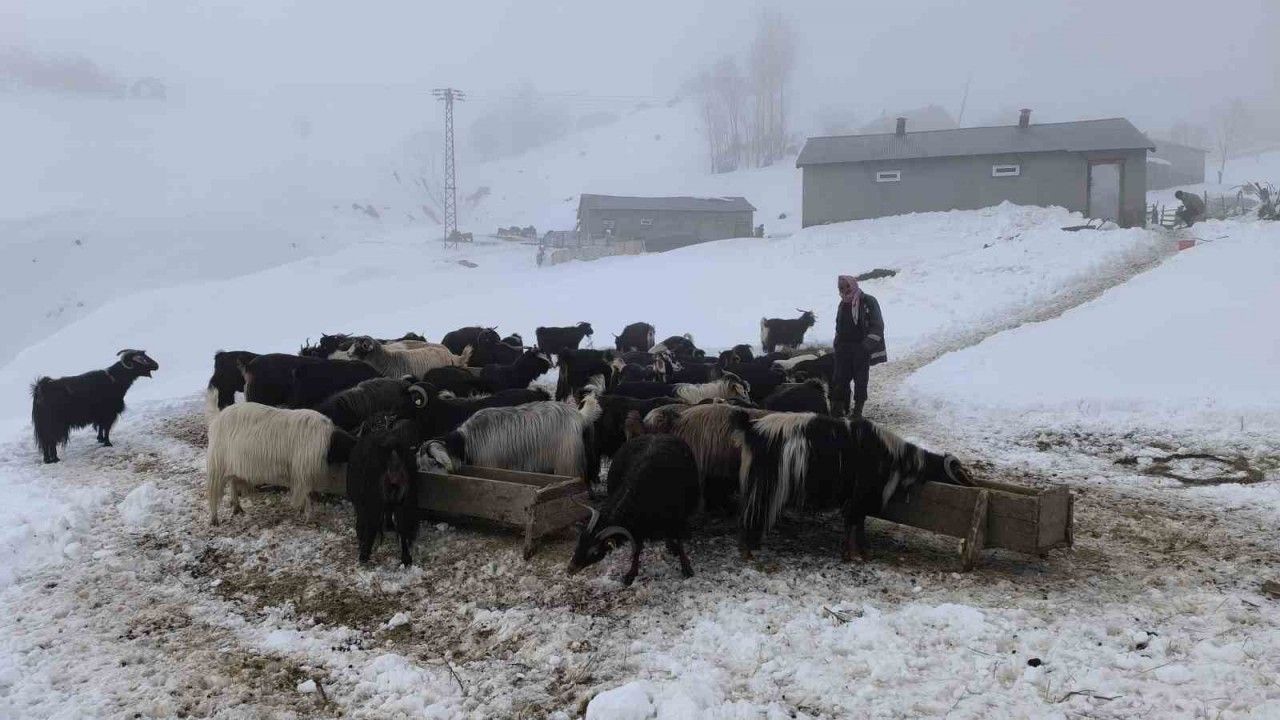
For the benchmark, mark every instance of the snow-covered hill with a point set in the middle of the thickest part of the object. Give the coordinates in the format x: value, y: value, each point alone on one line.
x: 101, y: 198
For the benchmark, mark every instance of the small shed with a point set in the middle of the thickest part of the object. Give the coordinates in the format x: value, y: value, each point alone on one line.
x: 1175, y: 165
x: 1096, y: 167
x: 664, y: 222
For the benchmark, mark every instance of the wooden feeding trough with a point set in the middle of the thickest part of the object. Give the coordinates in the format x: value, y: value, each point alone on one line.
x: 534, y: 503
x: 989, y: 515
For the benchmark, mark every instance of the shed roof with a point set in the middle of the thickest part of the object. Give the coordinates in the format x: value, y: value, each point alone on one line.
x: 1079, y: 136
x: 682, y: 204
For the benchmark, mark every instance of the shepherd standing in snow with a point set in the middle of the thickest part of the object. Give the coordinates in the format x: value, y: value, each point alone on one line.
x: 859, y: 344
x: 1192, y: 208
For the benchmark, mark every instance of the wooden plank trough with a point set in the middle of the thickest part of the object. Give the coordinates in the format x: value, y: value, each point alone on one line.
x: 989, y: 515
x: 533, y: 503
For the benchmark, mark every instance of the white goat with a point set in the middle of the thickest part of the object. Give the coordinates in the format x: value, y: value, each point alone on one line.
x: 397, y: 362
x: 251, y: 445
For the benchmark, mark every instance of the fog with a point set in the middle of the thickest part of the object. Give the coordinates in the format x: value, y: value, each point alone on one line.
x: 1154, y: 62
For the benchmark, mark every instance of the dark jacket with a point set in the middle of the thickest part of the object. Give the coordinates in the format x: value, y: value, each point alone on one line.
x: 1192, y: 203
x: 864, y: 333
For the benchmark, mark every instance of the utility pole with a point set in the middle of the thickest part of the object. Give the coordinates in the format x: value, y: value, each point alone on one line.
x: 448, y: 95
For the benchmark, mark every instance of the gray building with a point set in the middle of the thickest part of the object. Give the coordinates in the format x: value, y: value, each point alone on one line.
x: 1174, y: 165
x: 662, y: 223
x: 1097, y: 167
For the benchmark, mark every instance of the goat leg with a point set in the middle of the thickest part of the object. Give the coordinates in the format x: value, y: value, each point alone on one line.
x: 855, y: 540
x: 676, y: 547
x: 636, y: 548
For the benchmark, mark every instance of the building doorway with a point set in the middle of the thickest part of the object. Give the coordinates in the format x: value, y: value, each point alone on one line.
x: 1104, y: 190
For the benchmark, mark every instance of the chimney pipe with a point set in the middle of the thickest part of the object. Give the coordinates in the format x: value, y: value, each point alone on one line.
x: 902, y: 127
x: 1024, y: 118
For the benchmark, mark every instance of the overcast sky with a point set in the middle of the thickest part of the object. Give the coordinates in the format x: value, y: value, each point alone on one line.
x: 1151, y: 61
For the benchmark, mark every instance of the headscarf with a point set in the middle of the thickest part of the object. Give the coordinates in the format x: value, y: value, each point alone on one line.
x: 849, y: 291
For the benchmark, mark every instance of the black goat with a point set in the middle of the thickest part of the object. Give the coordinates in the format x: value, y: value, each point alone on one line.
x: 781, y: 332
x: 227, y: 378
x: 514, y: 340
x: 461, y: 382
x: 636, y: 336
x: 350, y: 408
x: 313, y: 383
x: 808, y: 396
x: 382, y: 485
x: 60, y: 405
x: 823, y: 368
x: 527, y: 368
x: 883, y: 464
x: 763, y: 380
x: 269, y: 378
x: 694, y: 370
x: 611, y: 427
x: 737, y: 354
x: 816, y: 462
x: 679, y: 346
x: 653, y: 489
x: 555, y: 340
x: 491, y: 352
x: 458, y: 340
x: 579, y: 368
x: 437, y: 415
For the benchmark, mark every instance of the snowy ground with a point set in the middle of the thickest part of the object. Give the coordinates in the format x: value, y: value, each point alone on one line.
x: 1156, y: 612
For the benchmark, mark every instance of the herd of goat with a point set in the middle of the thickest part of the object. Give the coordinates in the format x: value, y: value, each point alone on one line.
x: 685, y: 433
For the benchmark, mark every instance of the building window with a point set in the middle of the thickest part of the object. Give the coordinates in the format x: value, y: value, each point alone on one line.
x: 889, y: 176
x: 646, y: 221
x: 606, y: 224
x: 1006, y: 170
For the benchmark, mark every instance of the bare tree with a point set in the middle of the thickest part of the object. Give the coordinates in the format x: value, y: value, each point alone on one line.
x: 1229, y: 130
x: 722, y: 96
x: 771, y: 61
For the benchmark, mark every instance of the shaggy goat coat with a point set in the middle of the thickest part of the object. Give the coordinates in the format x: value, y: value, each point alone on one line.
x: 546, y: 437
x: 708, y: 430
x: 252, y: 445
x: 814, y: 462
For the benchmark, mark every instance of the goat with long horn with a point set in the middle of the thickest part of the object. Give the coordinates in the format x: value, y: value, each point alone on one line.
x: 653, y: 489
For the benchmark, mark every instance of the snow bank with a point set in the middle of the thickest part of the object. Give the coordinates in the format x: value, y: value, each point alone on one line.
x: 1185, y: 343
x: 958, y: 271
x: 41, y: 522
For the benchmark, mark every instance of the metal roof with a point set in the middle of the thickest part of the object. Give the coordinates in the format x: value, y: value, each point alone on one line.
x: 683, y: 204
x: 1079, y: 136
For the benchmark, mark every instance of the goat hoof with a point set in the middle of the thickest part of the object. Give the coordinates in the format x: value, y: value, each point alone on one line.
x: 687, y: 572
x: 628, y: 579
x: 105, y: 443
x: 50, y: 461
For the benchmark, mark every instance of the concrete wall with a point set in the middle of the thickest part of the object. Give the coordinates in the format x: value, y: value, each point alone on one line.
x: 849, y: 191
x: 664, y: 224
x: 563, y: 255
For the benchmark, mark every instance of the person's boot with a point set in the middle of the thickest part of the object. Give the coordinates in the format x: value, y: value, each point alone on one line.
x: 856, y: 412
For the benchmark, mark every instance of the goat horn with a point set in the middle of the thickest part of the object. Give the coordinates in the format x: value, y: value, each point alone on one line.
x: 612, y: 530
x: 955, y: 471
x: 418, y: 392
x: 595, y: 514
